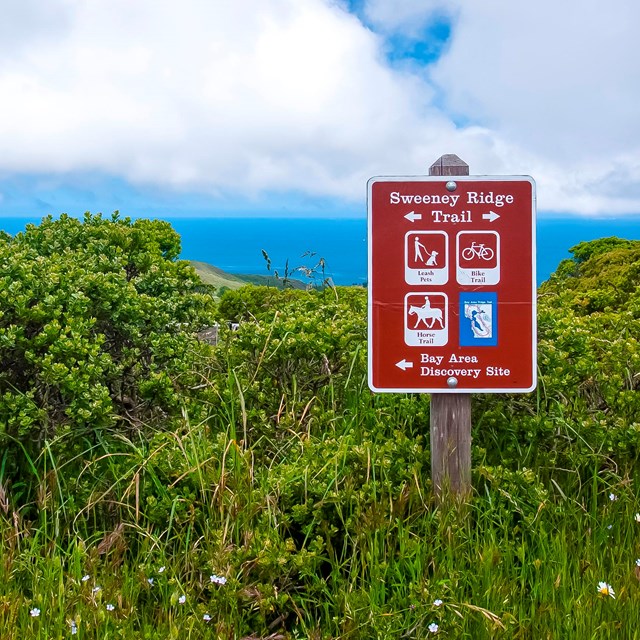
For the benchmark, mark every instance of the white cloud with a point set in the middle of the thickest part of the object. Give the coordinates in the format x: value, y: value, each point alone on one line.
x: 554, y: 86
x: 558, y: 80
x: 279, y: 95
x: 217, y: 96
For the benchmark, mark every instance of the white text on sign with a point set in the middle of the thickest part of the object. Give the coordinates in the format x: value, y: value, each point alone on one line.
x: 473, y: 197
x: 395, y: 197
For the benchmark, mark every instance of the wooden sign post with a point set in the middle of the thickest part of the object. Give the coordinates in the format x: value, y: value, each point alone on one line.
x: 451, y: 298
x: 450, y: 413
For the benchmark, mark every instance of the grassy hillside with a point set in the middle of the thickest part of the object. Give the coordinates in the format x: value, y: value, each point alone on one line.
x: 216, y: 277
x: 219, y: 278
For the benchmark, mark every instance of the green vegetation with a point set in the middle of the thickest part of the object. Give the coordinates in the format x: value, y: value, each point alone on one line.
x: 155, y: 487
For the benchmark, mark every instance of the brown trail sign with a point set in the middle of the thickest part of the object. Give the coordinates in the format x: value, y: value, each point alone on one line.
x: 451, y: 297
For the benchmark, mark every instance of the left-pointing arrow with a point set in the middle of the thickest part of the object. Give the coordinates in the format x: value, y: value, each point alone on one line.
x: 404, y: 365
x: 412, y: 216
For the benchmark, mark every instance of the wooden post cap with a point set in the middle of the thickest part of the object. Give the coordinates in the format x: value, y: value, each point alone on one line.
x: 449, y: 165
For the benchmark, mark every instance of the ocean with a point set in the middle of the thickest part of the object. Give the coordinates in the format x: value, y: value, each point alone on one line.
x: 235, y: 245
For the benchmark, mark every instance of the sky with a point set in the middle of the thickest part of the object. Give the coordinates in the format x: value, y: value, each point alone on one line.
x: 286, y: 108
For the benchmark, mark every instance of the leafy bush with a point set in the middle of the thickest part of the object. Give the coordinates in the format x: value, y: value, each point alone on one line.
x: 96, y: 323
x: 602, y: 275
x: 294, y: 353
x: 266, y: 460
x: 585, y: 415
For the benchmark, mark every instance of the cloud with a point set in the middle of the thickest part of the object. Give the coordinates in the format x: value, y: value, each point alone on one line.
x: 238, y: 99
x: 250, y: 95
x: 28, y: 22
x: 556, y: 77
x: 550, y: 84
x: 553, y: 85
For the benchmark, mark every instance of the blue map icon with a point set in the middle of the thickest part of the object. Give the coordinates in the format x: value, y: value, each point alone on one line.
x: 478, y: 319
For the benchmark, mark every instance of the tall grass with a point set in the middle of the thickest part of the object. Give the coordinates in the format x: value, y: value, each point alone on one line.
x: 334, y: 535
x: 299, y: 505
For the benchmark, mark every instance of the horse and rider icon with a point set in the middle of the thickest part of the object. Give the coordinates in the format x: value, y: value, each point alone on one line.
x: 426, y: 313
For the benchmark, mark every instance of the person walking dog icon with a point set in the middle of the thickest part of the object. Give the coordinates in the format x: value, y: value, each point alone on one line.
x: 417, y: 253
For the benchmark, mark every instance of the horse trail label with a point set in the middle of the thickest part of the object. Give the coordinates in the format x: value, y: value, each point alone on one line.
x: 426, y: 319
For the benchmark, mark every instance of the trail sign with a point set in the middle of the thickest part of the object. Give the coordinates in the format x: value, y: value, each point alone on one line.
x: 452, y: 284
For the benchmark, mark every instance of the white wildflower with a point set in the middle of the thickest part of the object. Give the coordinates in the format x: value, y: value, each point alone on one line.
x: 433, y: 627
x: 35, y: 612
x: 606, y: 589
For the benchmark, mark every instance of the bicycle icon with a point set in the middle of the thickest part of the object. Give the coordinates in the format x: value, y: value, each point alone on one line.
x: 478, y: 250
x: 478, y: 258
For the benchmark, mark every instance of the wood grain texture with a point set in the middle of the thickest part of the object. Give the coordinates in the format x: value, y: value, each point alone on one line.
x: 450, y: 427
x: 449, y: 165
x: 450, y: 414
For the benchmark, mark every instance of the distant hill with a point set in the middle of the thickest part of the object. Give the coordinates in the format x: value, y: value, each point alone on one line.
x: 219, y: 278
x: 216, y: 277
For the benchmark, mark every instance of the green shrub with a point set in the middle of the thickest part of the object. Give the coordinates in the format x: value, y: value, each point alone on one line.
x: 96, y: 331
x: 295, y: 355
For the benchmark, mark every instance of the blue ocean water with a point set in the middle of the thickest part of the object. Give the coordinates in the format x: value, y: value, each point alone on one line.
x: 236, y: 244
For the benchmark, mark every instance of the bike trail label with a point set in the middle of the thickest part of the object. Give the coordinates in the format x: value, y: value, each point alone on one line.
x: 478, y: 257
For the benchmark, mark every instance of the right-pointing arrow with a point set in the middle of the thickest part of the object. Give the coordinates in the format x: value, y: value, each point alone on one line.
x: 491, y: 216
x: 404, y: 365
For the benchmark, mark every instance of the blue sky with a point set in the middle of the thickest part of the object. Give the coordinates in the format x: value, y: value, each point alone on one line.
x: 285, y: 108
